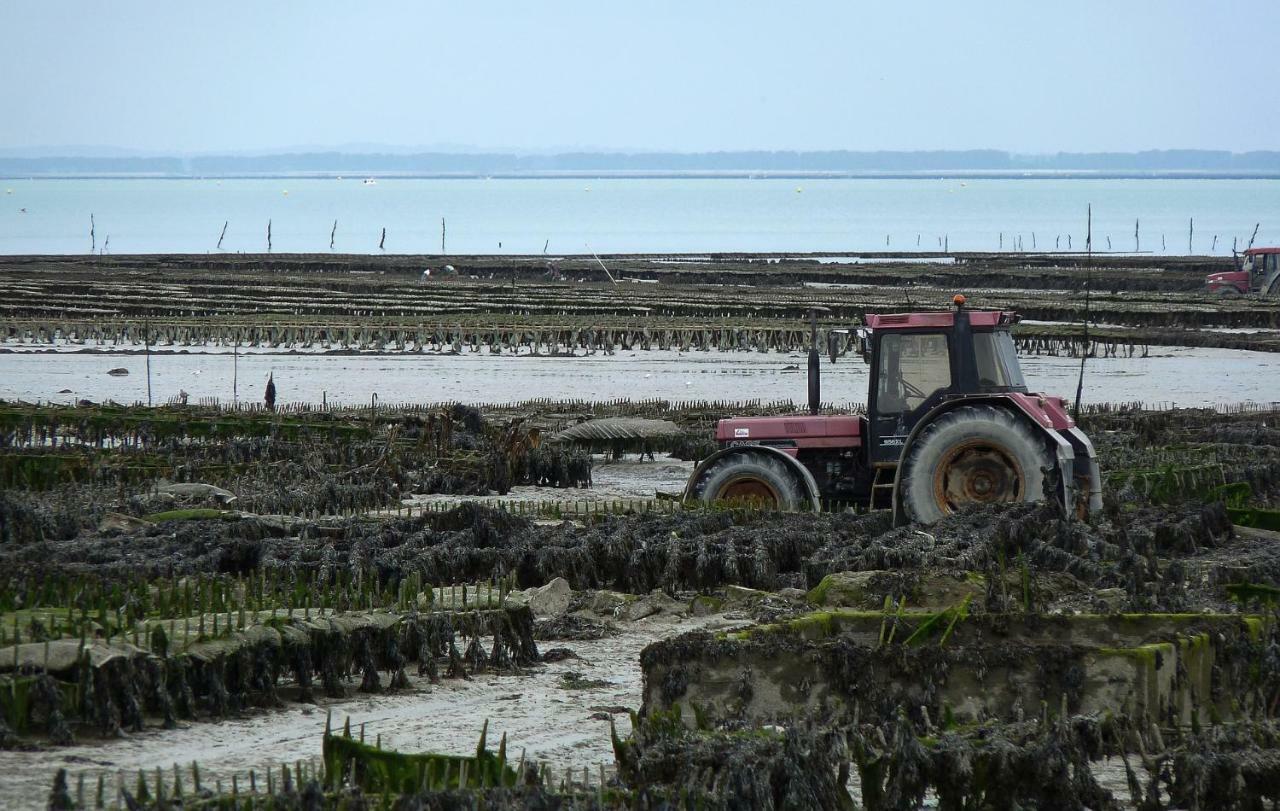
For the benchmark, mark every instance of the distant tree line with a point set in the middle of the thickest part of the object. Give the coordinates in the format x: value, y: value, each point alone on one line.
x: 836, y: 161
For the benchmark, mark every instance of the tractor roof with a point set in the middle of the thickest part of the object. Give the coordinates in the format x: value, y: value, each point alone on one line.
x: 941, y: 319
x: 1257, y: 251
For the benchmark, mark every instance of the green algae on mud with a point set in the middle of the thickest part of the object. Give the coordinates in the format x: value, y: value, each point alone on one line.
x: 1156, y: 668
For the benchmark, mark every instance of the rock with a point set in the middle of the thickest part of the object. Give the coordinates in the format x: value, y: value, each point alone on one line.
x: 704, y: 605
x: 607, y: 603
x: 64, y: 391
x: 558, y: 655
x: 571, y: 626
x: 574, y: 680
x: 550, y: 600
x: 119, y: 371
x: 869, y: 589
x: 1110, y: 601
x: 119, y: 522
x: 843, y: 589
x: 740, y: 595
x: 647, y: 606
x: 795, y: 595
x: 939, y: 591
x: 198, y: 491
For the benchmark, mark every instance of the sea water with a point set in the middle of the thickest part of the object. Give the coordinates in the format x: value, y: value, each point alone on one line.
x: 632, y: 215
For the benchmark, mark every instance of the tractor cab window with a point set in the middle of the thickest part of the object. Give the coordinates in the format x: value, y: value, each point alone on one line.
x: 912, y: 368
x: 997, y: 360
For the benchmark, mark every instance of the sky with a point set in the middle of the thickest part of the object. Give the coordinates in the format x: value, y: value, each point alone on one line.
x: 231, y: 76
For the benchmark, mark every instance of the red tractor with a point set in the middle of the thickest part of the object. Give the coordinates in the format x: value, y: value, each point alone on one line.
x: 1257, y: 271
x: 949, y: 423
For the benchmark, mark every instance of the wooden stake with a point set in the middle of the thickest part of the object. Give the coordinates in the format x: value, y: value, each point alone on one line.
x: 146, y: 340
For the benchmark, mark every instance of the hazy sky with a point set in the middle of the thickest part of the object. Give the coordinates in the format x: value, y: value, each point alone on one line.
x: 1024, y: 76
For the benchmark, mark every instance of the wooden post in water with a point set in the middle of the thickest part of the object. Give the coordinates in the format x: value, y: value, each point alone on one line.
x: 1191, y: 232
x: 1088, y: 284
x: 1137, y: 244
x: 223, y: 235
x: 333, y: 233
x: 383, y: 240
x: 442, y: 250
x: 93, y: 238
x: 146, y: 342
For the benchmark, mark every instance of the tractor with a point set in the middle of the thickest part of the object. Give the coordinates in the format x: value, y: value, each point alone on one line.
x: 949, y: 423
x: 1257, y: 271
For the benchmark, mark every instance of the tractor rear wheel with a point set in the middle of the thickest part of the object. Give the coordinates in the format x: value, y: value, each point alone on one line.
x: 751, y: 479
x: 973, y: 455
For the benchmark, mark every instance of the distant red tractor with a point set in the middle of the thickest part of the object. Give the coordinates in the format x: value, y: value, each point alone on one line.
x: 1257, y: 271
x: 949, y: 423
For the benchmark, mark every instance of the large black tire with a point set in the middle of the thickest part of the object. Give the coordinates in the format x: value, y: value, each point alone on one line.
x: 751, y: 478
x: 973, y: 455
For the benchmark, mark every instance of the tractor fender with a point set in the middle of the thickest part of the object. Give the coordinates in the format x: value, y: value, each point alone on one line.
x: 801, y: 472
x: 1061, y: 448
x: 1087, y: 458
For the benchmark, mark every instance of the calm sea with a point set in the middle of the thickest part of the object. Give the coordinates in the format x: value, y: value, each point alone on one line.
x: 631, y: 215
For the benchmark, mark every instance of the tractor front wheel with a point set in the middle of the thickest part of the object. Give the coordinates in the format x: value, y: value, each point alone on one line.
x: 973, y: 455
x: 751, y: 479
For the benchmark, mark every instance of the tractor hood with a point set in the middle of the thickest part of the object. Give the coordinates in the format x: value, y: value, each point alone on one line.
x: 1227, y: 276
x: 802, y: 430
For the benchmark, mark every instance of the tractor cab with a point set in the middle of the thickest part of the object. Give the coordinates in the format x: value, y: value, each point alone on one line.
x: 920, y: 360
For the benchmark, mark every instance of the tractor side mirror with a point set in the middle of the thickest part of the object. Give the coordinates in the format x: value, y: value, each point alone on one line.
x: 863, y: 343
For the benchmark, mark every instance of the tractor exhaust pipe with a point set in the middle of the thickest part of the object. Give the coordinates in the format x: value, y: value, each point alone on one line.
x: 815, y: 373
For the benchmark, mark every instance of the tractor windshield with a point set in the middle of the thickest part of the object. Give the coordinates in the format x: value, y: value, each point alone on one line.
x: 912, y: 368
x: 997, y: 360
